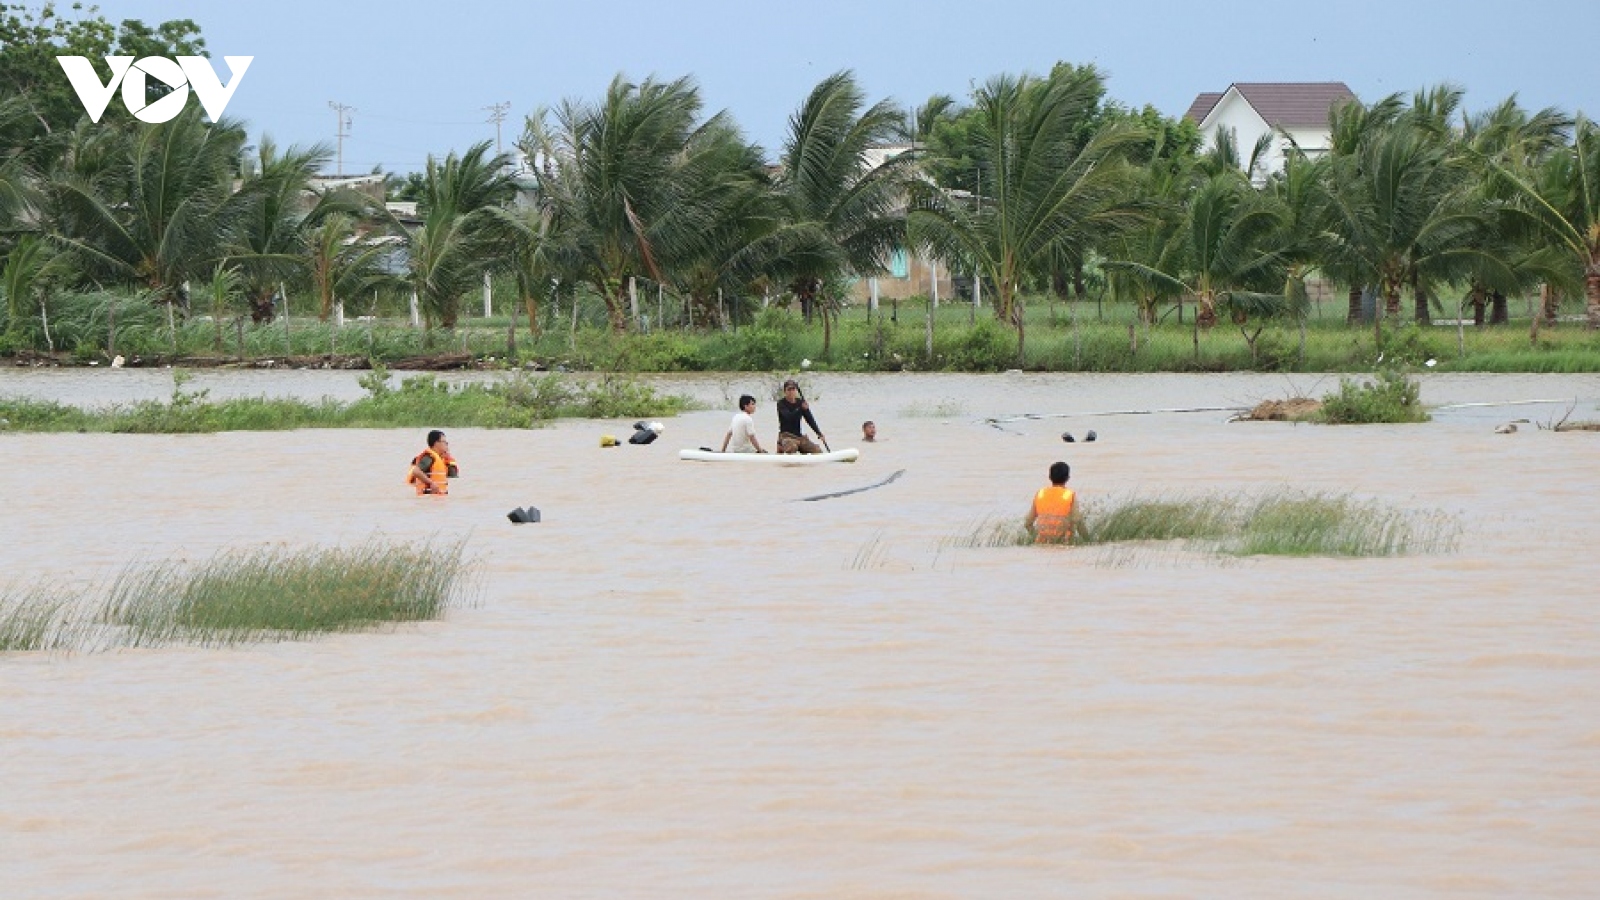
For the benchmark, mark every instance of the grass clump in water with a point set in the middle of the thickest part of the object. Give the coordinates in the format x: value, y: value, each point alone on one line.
x: 1160, y: 519
x: 32, y: 620
x: 282, y: 594
x: 1319, y: 525
x: 1286, y: 523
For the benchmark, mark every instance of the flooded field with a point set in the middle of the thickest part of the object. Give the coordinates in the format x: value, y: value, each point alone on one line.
x: 686, y: 682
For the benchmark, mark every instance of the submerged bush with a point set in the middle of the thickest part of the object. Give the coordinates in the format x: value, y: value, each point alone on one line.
x: 1391, y: 398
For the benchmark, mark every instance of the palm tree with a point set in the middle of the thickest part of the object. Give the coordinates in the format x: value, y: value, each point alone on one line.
x: 1562, y: 201
x: 25, y: 284
x: 1233, y: 256
x: 270, y: 244
x: 344, y: 263
x: 633, y: 186
x: 1400, y: 213
x: 1046, y: 193
x: 465, y: 228
x: 160, y: 216
x: 842, y: 208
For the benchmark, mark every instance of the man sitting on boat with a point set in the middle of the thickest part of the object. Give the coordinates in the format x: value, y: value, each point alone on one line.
x: 432, y: 469
x: 792, y: 410
x: 741, y: 436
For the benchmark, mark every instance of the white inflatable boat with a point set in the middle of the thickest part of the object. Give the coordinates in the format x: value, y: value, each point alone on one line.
x: 772, y: 459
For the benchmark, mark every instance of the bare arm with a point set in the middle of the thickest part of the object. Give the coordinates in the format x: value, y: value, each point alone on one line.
x: 725, y: 439
x: 1033, y: 515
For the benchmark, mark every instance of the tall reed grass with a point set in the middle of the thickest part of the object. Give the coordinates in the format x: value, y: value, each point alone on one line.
x: 277, y: 594
x: 1284, y: 523
x: 31, y: 618
x: 246, y: 596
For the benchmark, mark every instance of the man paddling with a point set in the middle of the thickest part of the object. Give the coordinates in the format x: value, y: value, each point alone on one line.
x: 792, y: 411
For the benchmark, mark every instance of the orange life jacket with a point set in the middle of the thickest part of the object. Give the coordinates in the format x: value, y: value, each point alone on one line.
x: 1052, y: 511
x: 439, y: 468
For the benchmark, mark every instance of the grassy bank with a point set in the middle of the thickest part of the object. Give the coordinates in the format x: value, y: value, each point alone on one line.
x: 518, y: 400
x: 248, y: 596
x: 1088, y: 337
x: 1278, y: 524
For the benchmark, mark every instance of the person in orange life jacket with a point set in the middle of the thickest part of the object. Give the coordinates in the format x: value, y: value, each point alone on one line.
x: 1050, y: 517
x: 433, y: 468
x: 792, y: 411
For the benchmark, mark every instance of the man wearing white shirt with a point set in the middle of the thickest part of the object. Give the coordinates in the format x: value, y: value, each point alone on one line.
x: 741, y: 436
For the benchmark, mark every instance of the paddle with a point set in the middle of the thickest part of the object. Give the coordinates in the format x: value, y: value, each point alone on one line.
x: 802, y: 395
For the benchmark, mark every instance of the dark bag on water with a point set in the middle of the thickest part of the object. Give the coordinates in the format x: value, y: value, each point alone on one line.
x: 642, y: 436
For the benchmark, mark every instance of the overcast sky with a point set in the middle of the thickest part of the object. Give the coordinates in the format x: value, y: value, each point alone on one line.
x: 421, y: 74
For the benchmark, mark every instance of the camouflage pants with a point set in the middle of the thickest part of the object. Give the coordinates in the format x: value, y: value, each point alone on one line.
x: 795, y: 443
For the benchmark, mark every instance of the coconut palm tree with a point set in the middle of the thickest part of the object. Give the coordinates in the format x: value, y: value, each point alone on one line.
x: 465, y: 229
x: 1232, y: 252
x: 1400, y: 211
x: 633, y: 185
x: 342, y: 262
x: 1561, y: 200
x: 1047, y: 194
x: 270, y: 242
x: 161, y: 215
x: 841, y: 206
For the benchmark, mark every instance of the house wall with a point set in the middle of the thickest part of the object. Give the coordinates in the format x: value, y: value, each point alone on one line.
x: 915, y: 283
x: 1234, y: 112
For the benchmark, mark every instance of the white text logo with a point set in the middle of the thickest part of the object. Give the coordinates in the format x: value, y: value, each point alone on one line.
x: 180, y: 75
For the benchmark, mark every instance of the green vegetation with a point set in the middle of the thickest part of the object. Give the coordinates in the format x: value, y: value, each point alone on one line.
x: 1278, y: 524
x: 31, y: 619
x: 651, y: 237
x: 277, y: 594
x: 519, y: 400
x: 1391, y: 398
x: 267, y: 594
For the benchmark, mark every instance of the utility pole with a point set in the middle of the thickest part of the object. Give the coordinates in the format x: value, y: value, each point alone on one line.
x: 342, y: 117
x: 497, y: 114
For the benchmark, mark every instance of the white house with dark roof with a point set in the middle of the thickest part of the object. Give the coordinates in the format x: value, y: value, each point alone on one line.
x: 1296, y: 111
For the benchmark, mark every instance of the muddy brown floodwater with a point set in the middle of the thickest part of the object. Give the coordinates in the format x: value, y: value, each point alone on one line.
x: 684, y: 683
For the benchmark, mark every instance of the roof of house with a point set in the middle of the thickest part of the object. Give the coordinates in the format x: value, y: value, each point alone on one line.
x: 1281, y: 103
x: 1201, y: 107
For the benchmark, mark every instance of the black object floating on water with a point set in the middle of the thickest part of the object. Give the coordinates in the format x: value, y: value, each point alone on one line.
x: 1067, y: 436
x: 1090, y: 436
x: 520, y: 516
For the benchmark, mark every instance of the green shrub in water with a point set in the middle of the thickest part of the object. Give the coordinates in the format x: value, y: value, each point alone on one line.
x: 1391, y: 398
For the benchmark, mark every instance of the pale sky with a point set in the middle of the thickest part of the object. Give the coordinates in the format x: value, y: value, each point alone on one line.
x: 421, y: 74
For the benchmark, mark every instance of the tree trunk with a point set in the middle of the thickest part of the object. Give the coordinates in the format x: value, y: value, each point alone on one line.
x: 1591, y: 290
x: 1424, y: 314
x: 1206, y: 315
x: 1391, y: 300
x: 261, y: 311
x: 1353, y: 314
x: 1479, y: 301
x: 827, y: 325
x: 1551, y: 304
x: 1498, y: 312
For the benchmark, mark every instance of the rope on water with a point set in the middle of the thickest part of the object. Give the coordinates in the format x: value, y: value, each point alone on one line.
x: 1504, y: 403
x: 858, y: 490
x: 996, y: 420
